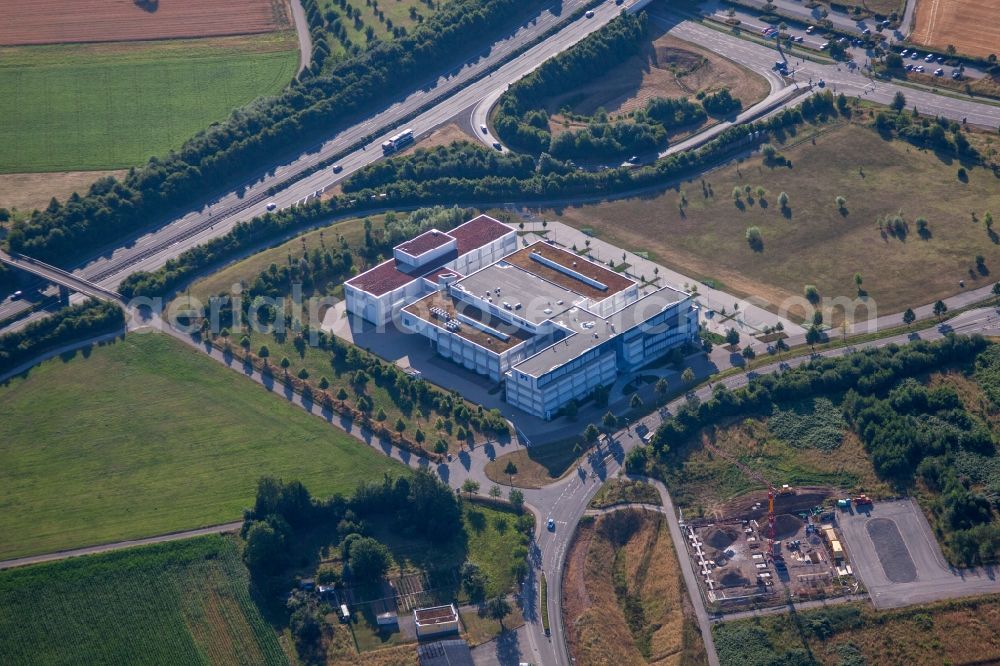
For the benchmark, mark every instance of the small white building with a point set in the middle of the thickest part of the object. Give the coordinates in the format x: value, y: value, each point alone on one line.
x: 436, y: 621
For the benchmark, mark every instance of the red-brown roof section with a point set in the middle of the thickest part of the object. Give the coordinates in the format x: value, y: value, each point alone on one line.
x: 478, y: 232
x: 425, y: 242
x: 473, y: 234
x: 382, y: 279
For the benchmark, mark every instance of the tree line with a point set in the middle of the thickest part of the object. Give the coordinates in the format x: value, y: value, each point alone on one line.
x: 314, y: 105
x: 70, y: 324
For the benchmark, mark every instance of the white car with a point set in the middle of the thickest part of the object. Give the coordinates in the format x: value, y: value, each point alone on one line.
x: 590, y: 13
x: 271, y: 205
x: 484, y: 129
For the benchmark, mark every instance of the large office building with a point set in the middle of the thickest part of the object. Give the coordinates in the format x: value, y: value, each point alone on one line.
x: 550, y: 325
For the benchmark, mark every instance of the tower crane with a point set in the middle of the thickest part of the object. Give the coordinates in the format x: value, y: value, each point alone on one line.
x: 756, y: 476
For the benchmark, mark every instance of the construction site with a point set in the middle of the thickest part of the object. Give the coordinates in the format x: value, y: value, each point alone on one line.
x: 771, y: 546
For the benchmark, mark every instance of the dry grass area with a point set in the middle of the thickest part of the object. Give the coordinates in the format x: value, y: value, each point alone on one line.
x: 812, y: 242
x: 970, y: 25
x: 51, y: 22
x: 442, y: 136
x: 667, y: 67
x: 28, y: 191
x: 341, y: 652
x: 538, y: 465
x: 963, y: 632
x: 637, y: 547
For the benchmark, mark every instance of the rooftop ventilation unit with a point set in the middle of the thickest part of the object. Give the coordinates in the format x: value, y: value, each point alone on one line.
x: 565, y: 270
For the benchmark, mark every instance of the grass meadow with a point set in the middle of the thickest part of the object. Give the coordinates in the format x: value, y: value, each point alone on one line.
x: 812, y: 242
x: 79, y: 107
x: 146, y: 436
x: 186, y: 602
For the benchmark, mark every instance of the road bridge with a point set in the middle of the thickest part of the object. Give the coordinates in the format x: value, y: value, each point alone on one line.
x: 65, y: 280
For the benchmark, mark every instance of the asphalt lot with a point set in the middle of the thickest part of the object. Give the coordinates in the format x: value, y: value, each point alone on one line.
x: 893, y: 551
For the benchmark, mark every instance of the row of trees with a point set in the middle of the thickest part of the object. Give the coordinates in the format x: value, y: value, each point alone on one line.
x: 70, y: 324
x: 312, y: 106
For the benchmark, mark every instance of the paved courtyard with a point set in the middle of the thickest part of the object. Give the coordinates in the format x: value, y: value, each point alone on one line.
x: 893, y: 551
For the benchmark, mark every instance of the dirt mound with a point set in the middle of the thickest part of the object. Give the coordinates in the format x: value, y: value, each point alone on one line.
x: 721, y: 538
x: 786, y: 526
x: 733, y: 579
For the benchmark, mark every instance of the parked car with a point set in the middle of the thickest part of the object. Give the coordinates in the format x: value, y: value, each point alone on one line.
x: 810, y: 30
x: 800, y: 39
x: 929, y: 57
x: 938, y: 72
x: 914, y: 56
x: 902, y: 54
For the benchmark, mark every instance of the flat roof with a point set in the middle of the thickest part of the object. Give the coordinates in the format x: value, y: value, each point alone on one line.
x: 436, y: 615
x: 477, y: 232
x: 425, y: 242
x: 470, y: 235
x: 517, y: 285
x: 590, y: 330
x: 381, y: 279
x: 615, y: 282
x: 441, y: 299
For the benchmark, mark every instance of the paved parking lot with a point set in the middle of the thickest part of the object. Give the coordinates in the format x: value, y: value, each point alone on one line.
x: 894, y: 553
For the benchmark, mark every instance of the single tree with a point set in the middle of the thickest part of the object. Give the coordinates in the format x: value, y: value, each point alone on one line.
x: 591, y: 433
x: 733, y: 337
x: 662, y: 386
x: 264, y: 353
x: 510, y: 470
x: 813, y: 336
x: 898, y: 101
x: 498, y: 608
x: 516, y: 498
x: 939, y: 309
x: 841, y: 204
x: 783, y: 200
x: 610, y: 421
x: 910, y: 316
x: 495, y: 491
x: 687, y: 376
x: 369, y: 560
x: 635, y: 402
x: 996, y: 289
x: 285, y: 363
x: 857, y: 281
x: 470, y: 486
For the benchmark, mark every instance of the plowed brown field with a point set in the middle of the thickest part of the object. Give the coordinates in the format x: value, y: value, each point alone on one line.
x: 972, y: 26
x: 58, y: 21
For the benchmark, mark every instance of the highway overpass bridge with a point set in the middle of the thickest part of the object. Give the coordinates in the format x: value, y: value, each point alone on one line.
x: 67, y: 282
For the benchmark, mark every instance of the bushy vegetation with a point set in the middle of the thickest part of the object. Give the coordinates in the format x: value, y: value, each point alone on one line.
x: 854, y: 635
x: 70, y: 324
x: 815, y: 424
x: 938, y: 134
x: 457, y: 160
x: 518, y: 121
x: 314, y: 105
x: 185, y: 602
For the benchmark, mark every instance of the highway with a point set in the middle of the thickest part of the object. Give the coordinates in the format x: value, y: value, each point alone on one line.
x: 151, y: 250
x: 446, y: 95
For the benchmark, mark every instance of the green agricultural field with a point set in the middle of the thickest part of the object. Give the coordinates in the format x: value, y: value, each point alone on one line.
x: 811, y: 241
x: 147, y: 436
x: 105, y: 106
x: 186, y: 602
